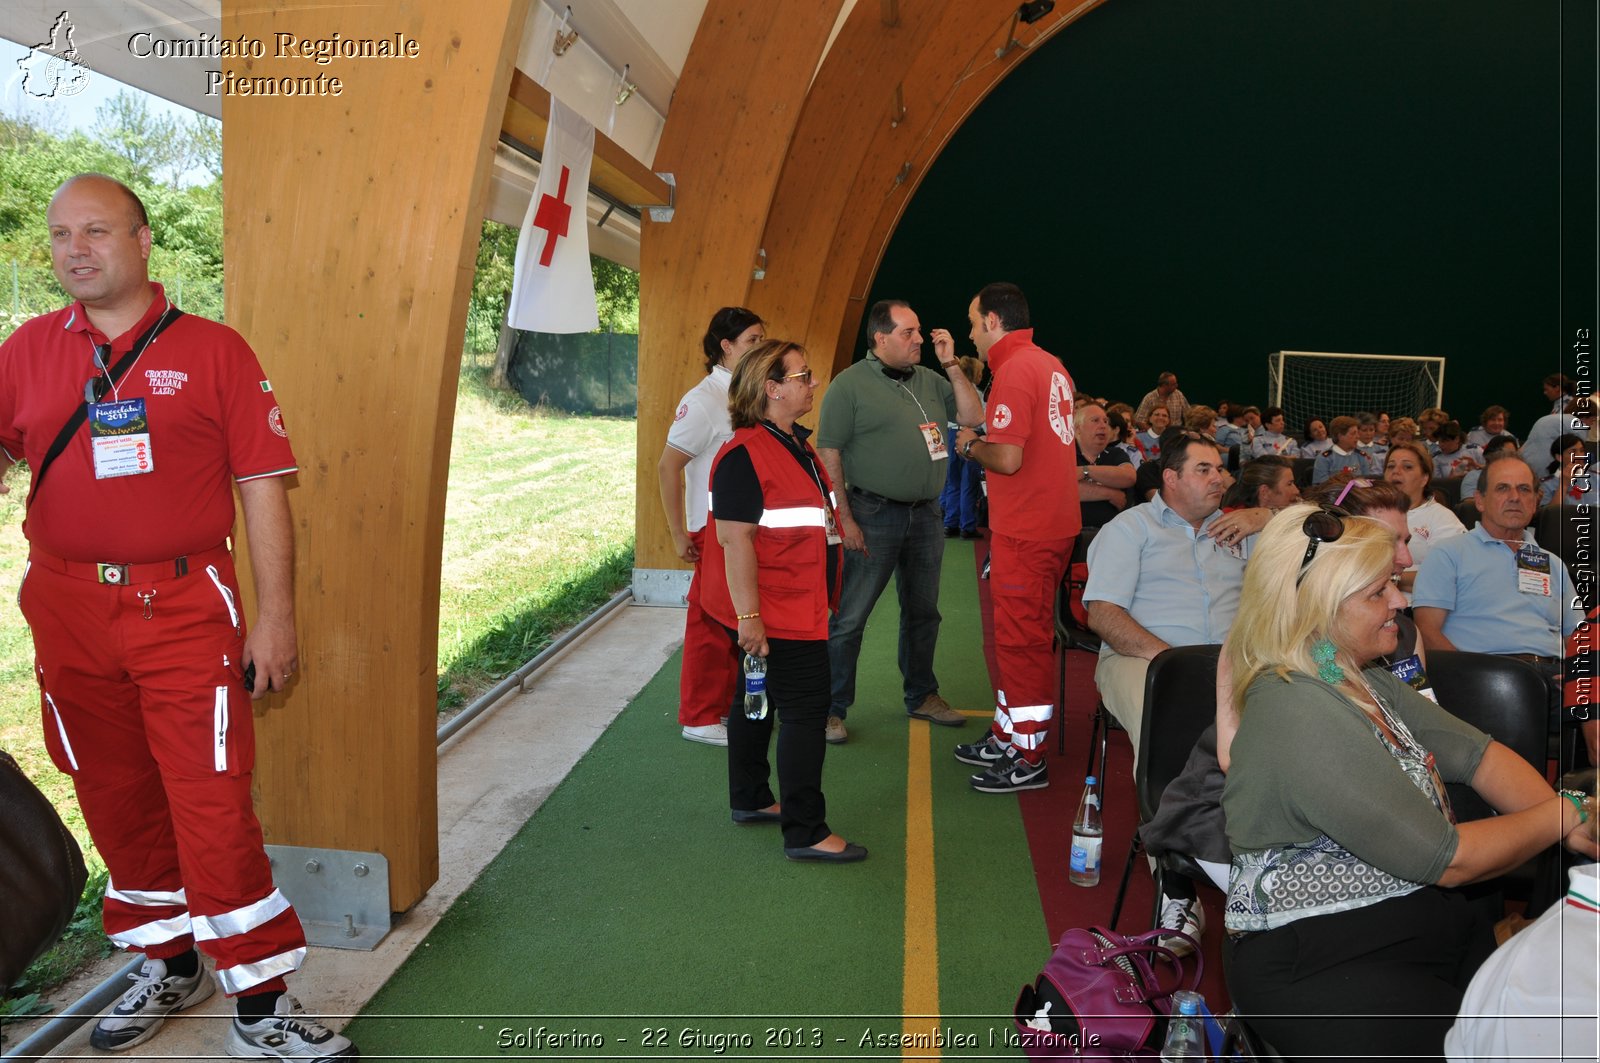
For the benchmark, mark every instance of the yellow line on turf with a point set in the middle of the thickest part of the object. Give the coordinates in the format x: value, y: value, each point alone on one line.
x: 920, y: 984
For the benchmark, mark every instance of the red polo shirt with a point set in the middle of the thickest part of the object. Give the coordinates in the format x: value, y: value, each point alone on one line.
x: 1030, y: 406
x: 213, y: 420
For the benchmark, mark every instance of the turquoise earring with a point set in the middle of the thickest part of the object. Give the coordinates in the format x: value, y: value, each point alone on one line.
x: 1328, y: 670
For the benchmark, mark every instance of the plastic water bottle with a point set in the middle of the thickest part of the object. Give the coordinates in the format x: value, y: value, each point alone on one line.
x: 1185, y: 1028
x: 755, y: 687
x: 1086, y: 832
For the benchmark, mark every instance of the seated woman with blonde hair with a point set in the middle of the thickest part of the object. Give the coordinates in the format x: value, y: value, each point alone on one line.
x: 1346, y: 936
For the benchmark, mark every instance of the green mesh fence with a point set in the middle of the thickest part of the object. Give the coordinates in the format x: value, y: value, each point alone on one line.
x: 590, y: 372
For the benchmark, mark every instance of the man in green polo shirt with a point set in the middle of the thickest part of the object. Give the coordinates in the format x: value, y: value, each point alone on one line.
x: 882, y: 435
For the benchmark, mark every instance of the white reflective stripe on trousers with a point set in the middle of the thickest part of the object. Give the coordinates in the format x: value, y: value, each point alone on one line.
x: 1031, y: 713
x: 794, y: 517
x: 1027, y: 739
x: 242, y: 976
x: 240, y: 920
x: 61, y: 729
x: 157, y: 932
x: 145, y: 898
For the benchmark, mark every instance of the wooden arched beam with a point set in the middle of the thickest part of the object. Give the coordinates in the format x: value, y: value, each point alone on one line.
x: 849, y: 166
x: 351, y: 240
x: 741, y: 92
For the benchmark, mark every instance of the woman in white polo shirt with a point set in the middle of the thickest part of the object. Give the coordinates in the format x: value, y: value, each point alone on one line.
x: 709, y: 677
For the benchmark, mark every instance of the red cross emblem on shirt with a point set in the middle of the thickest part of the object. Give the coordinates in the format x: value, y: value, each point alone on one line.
x: 552, y: 216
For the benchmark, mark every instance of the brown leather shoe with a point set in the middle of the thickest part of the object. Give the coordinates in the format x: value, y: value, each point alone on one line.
x: 935, y: 709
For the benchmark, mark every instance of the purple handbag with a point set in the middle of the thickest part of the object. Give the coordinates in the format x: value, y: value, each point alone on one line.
x: 1101, y: 995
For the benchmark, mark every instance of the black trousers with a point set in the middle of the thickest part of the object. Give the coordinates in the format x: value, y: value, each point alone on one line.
x: 798, y: 683
x: 1382, y: 981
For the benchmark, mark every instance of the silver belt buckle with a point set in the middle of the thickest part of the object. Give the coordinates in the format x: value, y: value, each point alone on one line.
x: 113, y: 574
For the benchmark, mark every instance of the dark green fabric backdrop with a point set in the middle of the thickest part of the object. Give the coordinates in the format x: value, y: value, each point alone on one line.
x: 1193, y: 185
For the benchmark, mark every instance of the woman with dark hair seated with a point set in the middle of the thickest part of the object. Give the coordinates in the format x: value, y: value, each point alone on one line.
x: 1267, y: 482
x: 1346, y: 937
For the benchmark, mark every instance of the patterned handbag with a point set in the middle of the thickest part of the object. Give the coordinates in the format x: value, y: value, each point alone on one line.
x: 1101, y: 996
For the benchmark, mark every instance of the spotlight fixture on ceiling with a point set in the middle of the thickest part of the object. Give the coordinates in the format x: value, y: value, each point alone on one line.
x: 1034, y: 10
x: 564, y: 37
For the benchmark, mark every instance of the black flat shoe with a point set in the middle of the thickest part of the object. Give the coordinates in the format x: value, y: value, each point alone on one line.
x: 746, y: 816
x: 848, y: 855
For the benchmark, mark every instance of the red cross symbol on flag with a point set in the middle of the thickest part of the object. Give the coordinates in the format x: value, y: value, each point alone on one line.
x: 552, y: 217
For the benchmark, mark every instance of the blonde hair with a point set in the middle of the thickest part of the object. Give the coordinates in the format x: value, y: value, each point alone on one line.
x: 1282, y: 613
x: 747, y: 391
x: 973, y: 367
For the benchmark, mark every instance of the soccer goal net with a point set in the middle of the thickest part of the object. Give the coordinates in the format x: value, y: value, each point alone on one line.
x: 1317, y: 384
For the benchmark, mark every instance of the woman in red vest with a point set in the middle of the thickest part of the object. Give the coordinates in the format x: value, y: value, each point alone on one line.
x: 772, y: 578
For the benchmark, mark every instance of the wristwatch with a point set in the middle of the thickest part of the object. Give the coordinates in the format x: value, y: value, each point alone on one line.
x: 947, y: 366
x: 1083, y: 474
x: 966, y: 451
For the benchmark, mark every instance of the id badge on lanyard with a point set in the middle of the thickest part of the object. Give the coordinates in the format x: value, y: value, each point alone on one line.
x: 119, y: 439
x: 1533, y: 570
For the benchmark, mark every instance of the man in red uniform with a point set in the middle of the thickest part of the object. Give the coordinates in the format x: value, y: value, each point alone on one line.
x: 137, y: 420
x: 1034, y: 520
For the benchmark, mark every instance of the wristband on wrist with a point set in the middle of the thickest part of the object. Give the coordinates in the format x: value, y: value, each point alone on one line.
x: 747, y: 616
x: 1578, y: 800
x: 947, y: 366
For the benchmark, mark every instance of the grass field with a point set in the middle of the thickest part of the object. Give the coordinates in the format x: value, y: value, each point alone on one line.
x: 538, y: 532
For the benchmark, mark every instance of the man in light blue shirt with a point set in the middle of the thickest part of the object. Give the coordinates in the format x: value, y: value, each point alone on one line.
x: 1159, y: 577
x: 1167, y: 573
x: 1495, y: 590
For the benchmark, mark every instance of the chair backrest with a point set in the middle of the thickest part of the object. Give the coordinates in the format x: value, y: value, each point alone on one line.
x: 1449, y: 487
x: 1468, y: 512
x: 1500, y: 695
x: 1180, y: 702
x: 1071, y: 631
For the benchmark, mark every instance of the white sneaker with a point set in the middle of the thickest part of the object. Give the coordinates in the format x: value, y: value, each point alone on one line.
x: 1185, y: 916
x: 711, y: 734
x: 288, y: 1033
x: 142, y: 1009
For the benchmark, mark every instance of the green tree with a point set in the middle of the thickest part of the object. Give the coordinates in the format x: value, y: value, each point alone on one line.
x: 155, y: 146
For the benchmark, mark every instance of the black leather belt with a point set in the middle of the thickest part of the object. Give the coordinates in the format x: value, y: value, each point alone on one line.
x: 873, y: 496
x: 1532, y: 658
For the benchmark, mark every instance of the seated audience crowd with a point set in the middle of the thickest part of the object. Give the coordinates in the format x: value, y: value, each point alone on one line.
x: 1327, y: 563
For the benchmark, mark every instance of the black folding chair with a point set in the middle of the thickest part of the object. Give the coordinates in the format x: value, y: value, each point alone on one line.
x: 1071, y: 635
x: 1180, y: 702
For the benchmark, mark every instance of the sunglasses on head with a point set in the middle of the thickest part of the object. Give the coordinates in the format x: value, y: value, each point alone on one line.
x: 1325, y: 525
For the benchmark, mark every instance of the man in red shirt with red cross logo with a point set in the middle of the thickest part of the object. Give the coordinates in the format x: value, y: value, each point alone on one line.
x: 137, y: 420
x: 1034, y: 520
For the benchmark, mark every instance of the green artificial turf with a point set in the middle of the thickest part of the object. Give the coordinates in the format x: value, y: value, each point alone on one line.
x: 630, y: 908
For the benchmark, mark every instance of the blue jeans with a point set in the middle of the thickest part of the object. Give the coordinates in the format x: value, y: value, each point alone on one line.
x: 908, y: 543
x: 963, y: 492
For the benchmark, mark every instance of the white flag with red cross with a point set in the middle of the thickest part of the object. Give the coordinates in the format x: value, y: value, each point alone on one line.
x: 552, y: 287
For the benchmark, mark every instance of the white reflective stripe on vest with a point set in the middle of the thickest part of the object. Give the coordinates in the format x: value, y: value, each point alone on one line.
x: 242, y: 976
x: 794, y: 517
x: 240, y: 920
x: 146, y: 898
x: 1030, y: 713
x: 157, y: 932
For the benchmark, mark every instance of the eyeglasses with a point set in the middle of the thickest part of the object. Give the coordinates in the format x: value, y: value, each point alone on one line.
x: 1325, y: 525
x: 804, y: 374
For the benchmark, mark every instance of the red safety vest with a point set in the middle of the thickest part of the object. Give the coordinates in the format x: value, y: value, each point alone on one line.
x: 791, y: 543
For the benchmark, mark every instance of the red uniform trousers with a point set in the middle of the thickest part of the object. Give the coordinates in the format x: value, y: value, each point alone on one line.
x: 710, y: 673
x: 145, y: 708
x: 1023, y: 577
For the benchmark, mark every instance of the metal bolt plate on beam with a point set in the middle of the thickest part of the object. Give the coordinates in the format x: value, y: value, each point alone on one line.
x: 342, y: 897
x: 661, y: 586
x: 665, y: 213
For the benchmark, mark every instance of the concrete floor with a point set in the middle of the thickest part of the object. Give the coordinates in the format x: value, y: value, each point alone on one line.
x: 493, y: 776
